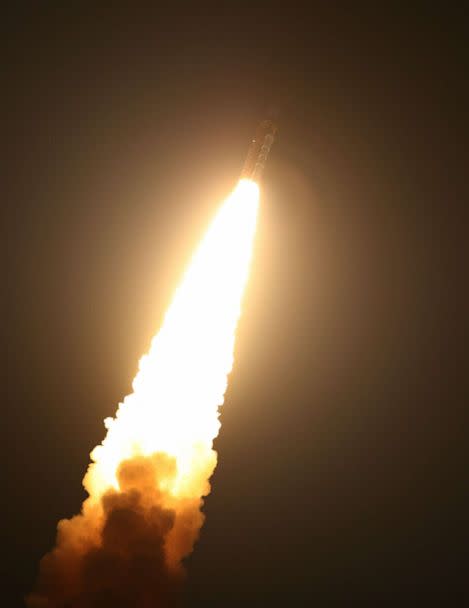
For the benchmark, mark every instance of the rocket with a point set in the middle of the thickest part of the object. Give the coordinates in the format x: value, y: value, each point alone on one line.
x: 259, y: 151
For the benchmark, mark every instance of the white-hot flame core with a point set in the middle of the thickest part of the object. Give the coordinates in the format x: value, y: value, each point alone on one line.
x: 182, y: 380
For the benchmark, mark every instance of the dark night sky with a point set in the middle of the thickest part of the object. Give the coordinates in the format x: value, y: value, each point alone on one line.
x: 340, y: 460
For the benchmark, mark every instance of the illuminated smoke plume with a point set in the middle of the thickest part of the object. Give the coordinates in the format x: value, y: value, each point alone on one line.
x: 147, y: 479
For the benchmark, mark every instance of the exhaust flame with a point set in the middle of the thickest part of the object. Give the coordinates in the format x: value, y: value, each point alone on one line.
x: 147, y: 479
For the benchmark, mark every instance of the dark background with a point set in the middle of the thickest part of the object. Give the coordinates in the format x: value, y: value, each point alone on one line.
x: 340, y: 457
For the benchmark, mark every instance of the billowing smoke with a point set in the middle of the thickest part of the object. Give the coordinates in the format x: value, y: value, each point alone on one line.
x: 147, y: 479
x: 114, y: 555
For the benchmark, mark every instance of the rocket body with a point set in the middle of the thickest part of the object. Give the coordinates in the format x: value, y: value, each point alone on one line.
x: 259, y: 151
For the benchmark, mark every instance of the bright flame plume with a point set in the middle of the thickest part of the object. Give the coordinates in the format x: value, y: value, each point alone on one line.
x: 158, y: 452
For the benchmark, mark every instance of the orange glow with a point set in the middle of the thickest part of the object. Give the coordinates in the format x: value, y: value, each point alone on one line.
x: 155, y: 463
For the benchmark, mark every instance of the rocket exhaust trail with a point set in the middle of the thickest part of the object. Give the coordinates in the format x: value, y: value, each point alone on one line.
x: 147, y: 479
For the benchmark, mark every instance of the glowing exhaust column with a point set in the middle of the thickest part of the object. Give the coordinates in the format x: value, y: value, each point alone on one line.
x: 147, y: 479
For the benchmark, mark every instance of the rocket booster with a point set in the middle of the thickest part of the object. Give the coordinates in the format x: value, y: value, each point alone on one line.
x: 259, y: 151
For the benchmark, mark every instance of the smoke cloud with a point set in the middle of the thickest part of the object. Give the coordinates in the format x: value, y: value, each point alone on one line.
x: 120, y: 552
